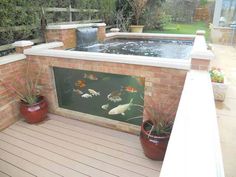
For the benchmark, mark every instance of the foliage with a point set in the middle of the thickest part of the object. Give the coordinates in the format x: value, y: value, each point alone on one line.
x: 107, y: 10
x: 138, y: 7
x: 180, y: 11
x: 123, y: 15
x: 183, y: 28
x: 203, y: 3
x: 161, y: 116
x: 17, y: 13
x: 31, y: 89
x: 27, y: 15
x: 156, y: 19
x: 216, y: 75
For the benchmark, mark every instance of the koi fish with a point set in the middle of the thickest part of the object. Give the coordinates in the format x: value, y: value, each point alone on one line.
x: 86, y: 95
x: 93, y: 92
x: 140, y: 80
x: 130, y: 89
x: 121, y: 109
x: 105, y: 106
x: 115, y: 96
x: 80, y: 83
x: 90, y: 76
x: 78, y: 91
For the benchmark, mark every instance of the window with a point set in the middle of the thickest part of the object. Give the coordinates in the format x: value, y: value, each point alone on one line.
x: 228, y: 13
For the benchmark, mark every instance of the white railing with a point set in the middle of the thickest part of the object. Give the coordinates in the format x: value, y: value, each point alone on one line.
x: 194, y: 146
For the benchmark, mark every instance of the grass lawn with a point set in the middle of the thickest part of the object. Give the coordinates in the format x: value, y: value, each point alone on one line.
x: 180, y: 28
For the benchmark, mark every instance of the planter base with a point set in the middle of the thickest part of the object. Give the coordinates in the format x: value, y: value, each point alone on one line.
x: 219, y: 90
x: 34, y: 113
x: 136, y: 28
x: 154, y: 147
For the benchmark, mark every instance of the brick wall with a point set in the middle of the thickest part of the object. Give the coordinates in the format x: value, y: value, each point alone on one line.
x: 9, y: 111
x: 161, y: 84
x: 67, y: 36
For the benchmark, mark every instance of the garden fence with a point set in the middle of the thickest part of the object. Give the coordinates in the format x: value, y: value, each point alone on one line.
x: 8, y: 48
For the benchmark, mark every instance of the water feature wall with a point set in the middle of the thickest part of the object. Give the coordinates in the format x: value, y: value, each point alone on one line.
x: 67, y: 33
x: 86, y: 36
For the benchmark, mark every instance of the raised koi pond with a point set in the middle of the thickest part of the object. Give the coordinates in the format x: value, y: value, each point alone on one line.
x: 114, y: 77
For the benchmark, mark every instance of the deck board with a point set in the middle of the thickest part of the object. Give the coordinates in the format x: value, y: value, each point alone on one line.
x: 22, y: 163
x: 3, y: 174
x: 12, y: 170
x: 61, y: 148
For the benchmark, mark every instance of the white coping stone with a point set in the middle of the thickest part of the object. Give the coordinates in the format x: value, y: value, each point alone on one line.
x: 114, y: 29
x: 49, y: 45
x: 199, y: 50
x: 114, y: 58
x: 23, y: 43
x: 125, y: 34
x: 11, y: 58
x: 194, y: 146
x: 73, y: 26
x: 200, y: 32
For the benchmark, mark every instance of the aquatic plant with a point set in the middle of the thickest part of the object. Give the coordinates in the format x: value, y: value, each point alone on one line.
x: 26, y: 87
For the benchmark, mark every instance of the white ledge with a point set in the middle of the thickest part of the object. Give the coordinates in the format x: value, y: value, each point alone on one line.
x: 199, y: 50
x: 114, y: 58
x: 194, y: 146
x: 11, y: 58
x: 135, y: 35
x: 49, y: 45
x: 22, y: 43
x: 73, y: 26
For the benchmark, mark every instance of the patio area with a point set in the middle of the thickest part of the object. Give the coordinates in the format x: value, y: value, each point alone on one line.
x: 226, y: 111
x: 67, y: 147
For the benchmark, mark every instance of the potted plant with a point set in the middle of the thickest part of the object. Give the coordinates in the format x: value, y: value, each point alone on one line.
x: 138, y: 7
x: 218, y: 83
x: 156, y: 130
x: 33, y: 106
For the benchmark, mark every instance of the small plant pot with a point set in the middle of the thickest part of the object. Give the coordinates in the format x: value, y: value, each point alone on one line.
x: 136, y: 28
x: 219, y: 90
x: 154, y: 147
x: 34, y: 113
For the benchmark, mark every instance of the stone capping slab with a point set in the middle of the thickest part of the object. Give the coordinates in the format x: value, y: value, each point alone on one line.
x: 194, y: 146
x: 150, y: 35
x: 23, y: 43
x: 11, y: 58
x: 73, y: 26
x: 200, y: 32
x: 114, y: 58
x: 199, y: 50
x: 49, y: 45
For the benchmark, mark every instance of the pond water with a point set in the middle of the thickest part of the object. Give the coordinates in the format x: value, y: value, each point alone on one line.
x: 178, y: 49
x: 112, y: 96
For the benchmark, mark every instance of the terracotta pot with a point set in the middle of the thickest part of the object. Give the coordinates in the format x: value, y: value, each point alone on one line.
x: 34, y: 113
x: 136, y: 28
x: 154, y: 147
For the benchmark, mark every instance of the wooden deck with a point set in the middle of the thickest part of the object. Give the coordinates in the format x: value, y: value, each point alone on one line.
x: 66, y: 147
